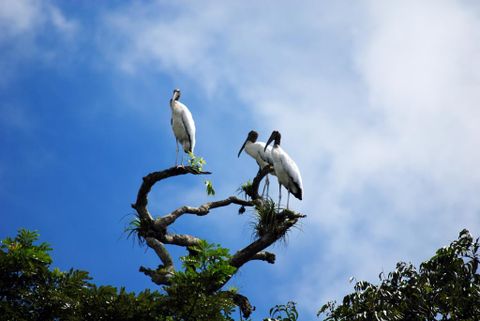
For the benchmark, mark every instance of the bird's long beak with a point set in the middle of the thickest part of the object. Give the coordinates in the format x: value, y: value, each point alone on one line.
x: 243, y: 146
x: 268, y: 142
x: 176, y: 95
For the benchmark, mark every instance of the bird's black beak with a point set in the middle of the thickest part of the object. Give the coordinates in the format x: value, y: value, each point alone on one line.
x: 176, y: 94
x: 269, y: 141
x: 243, y: 146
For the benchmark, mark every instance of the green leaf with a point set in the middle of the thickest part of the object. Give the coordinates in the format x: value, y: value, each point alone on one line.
x: 196, y: 162
x: 209, y: 187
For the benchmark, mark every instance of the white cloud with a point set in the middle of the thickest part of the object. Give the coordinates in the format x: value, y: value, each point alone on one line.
x: 67, y: 27
x: 17, y: 17
x: 377, y: 103
x: 24, y: 24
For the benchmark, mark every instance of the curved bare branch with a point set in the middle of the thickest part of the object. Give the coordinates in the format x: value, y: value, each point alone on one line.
x: 155, y: 231
x: 150, y: 180
x: 253, y: 192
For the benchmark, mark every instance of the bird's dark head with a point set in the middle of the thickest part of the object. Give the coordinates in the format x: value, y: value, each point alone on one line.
x: 275, y: 136
x: 176, y: 94
x: 252, y: 137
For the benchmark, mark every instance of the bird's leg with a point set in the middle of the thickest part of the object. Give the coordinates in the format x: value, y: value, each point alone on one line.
x: 265, y: 186
x: 267, y: 183
x: 288, y: 198
x: 176, y: 155
x: 279, y: 196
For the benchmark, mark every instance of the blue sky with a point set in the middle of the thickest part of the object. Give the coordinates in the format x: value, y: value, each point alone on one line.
x: 377, y: 103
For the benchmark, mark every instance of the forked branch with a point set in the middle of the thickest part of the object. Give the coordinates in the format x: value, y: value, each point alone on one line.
x: 155, y: 231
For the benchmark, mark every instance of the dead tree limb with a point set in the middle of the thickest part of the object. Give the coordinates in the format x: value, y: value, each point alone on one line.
x: 199, y: 211
x: 253, y: 191
x: 156, y: 234
x: 286, y: 220
x: 148, y: 181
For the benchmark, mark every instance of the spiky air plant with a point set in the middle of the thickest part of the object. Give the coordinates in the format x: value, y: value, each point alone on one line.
x: 136, y: 230
x: 245, y: 189
x: 265, y: 220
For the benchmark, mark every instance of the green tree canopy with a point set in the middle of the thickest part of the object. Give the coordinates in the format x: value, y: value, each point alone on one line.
x: 446, y: 287
x: 31, y: 290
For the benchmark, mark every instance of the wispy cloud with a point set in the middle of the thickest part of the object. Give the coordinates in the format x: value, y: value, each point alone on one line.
x: 378, y: 104
x: 23, y: 24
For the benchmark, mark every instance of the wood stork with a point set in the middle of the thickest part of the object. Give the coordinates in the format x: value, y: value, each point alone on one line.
x: 286, y: 170
x: 257, y: 151
x: 182, y: 124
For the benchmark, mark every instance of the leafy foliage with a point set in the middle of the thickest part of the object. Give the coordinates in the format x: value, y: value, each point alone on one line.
x: 284, y: 312
x: 196, y: 162
x: 446, y: 287
x: 29, y: 290
x: 192, y: 292
x: 209, y: 187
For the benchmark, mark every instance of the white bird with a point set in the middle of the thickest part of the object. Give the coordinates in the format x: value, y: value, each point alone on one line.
x: 286, y: 170
x: 182, y: 124
x: 257, y: 151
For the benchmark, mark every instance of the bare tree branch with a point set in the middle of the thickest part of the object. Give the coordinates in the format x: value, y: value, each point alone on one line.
x: 253, y: 192
x: 199, y: 211
x: 161, y: 251
x: 264, y: 256
x: 180, y: 239
x: 244, y: 304
x: 285, y: 220
x: 156, y: 233
x: 150, y: 180
x: 158, y: 276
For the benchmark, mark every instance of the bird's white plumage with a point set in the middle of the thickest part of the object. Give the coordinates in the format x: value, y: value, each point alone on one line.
x: 287, y: 171
x: 257, y: 152
x: 183, y: 125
